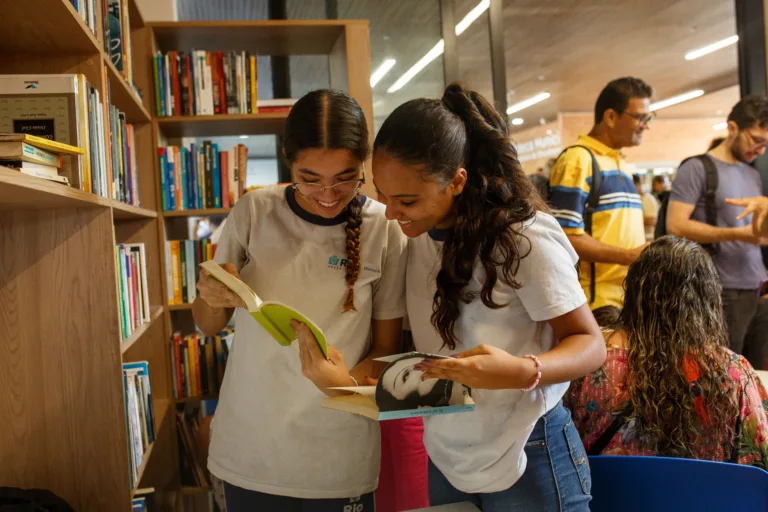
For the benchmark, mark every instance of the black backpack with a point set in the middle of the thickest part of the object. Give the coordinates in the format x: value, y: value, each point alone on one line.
x: 593, y: 199
x: 710, y: 206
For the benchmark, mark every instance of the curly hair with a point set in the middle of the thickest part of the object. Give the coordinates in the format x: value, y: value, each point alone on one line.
x: 673, y: 319
x: 332, y: 119
x: 464, y: 130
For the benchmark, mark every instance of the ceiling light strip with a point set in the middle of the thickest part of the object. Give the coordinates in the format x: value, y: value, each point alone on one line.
x: 517, y: 107
x: 674, y: 100
x: 381, y: 71
x: 695, y: 54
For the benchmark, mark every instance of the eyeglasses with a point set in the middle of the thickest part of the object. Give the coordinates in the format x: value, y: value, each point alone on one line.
x: 754, y: 142
x: 644, y: 119
x: 341, y: 188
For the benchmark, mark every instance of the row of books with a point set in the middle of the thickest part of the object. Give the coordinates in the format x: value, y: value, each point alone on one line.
x: 191, y: 450
x: 182, y: 260
x: 205, y: 83
x: 202, y: 176
x: 198, y: 362
x: 140, y: 414
x: 66, y: 109
x: 133, y: 297
x: 87, y: 11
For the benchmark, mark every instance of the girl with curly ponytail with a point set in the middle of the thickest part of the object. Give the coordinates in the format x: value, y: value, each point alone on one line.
x: 325, y: 249
x: 491, y: 279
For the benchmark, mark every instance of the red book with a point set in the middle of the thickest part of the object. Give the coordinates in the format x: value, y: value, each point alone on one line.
x: 222, y: 82
x: 198, y: 387
x: 224, y: 167
x: 177, y: 362
x: 215, y: 84
x: 191, y: 94
x: 176, y: 85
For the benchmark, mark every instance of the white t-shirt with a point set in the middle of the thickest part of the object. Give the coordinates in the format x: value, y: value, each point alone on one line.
x: 271, y: 434
x: 650, y: 209
x: 482, y: 451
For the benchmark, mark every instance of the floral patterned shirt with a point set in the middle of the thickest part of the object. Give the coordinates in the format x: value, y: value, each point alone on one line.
x: 594, y: 400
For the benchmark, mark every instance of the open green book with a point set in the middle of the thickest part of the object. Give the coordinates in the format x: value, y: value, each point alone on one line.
x: 274, y: 317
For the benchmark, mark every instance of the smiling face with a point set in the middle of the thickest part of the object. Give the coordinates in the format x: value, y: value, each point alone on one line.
x: 325, y: 167
x: 415, y: 201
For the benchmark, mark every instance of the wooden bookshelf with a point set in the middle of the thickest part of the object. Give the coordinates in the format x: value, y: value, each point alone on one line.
x: 139, y: 333
x: 222, y: 125
x: 195, y: 399
x: 60, y: 326
x: 45, y: 27
x: 180, y: 307
x: 197, y: 213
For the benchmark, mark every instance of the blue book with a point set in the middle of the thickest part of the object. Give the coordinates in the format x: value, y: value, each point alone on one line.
x: 143, y: 372
x: 184, y: 189
x: 163, y: 180
x: 138, y: 504
x: 193, y: 177
x: 216, y: 177
x: 171, y: 178
x: 161, y: 73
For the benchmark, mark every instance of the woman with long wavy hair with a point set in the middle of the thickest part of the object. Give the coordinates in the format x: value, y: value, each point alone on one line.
x: 669, y: 385
x: 491, y: 280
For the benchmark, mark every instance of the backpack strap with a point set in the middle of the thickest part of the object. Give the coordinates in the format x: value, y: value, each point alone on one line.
x: 710, y: 198
x: 593, y: 199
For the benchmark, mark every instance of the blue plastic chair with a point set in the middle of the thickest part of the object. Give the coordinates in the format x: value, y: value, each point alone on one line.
x: 661, y: 484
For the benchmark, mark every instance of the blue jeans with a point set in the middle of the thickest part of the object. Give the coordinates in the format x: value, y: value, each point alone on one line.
x: 556, y: 479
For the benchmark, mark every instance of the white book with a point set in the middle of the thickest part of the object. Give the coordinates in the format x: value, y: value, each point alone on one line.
x: 189, y: 247
x: 169, y: 272
x: 172, y: 186
x: 198, y: 82
x: 44, y: 174
x: 232, y: 175
x: 208, y: 87
x: 143, y: 288
x: 168, y: 92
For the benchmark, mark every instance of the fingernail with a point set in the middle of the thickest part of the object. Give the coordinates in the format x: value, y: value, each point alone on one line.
x: 456, y: 356
x: 418, y: 368
x: 425, y: 362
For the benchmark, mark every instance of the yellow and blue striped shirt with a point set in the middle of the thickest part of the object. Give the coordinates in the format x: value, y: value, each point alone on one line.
x: 618, y: 218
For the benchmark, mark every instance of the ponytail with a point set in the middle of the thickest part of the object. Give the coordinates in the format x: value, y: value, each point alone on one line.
x: 354, y: 222
x: 464, y: 130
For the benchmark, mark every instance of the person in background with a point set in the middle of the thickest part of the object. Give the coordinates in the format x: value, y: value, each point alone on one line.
x: 736, y: 249
x: 491, y: 280
x: 650, y: 208
x: 606, y: 316
x: 670, y: 386
x: 328, y: 251
x: 660, y: 186
x: 622, y: 114
x: 540, y: 180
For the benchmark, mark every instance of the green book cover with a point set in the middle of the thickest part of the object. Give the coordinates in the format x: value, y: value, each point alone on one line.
x: 274, y: 317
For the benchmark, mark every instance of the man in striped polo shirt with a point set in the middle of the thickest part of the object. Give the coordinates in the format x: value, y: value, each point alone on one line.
x: 622, y: 114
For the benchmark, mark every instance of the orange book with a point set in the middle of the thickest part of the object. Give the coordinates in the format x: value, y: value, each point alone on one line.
x: 242, y: 163
x: 192, y: 363
x: 210, y: 249
x: 176, y: 271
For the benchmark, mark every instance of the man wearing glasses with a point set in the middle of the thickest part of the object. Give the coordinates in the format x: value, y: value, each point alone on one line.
x: 616, y: 235
x: 735, y: 247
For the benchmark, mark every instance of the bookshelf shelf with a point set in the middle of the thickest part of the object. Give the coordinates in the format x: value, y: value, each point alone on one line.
x: 193, y: 399
x: 139, y: 333
x: 22, y: 192
x: 197, y: 213
x: 222, y: 125
x: 59, y: 31
x: 264, y: 37
x: 123, y: 96
x: 180, y: 307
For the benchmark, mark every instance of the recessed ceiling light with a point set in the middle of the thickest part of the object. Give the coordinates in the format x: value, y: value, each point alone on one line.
x: 674, y: 100
x: 542, y: 121
x: 517, y: 107
x: 381, y: 71
x: 695, y: 54
x: 244, y: 136
x: 517, y: 121
x: 549, y: 132
x: 720, y: 126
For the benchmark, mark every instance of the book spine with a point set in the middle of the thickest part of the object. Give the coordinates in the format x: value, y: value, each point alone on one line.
x: 233, y: 177
x: 216, y: 92
x: 163, y: 180
x: 167, y: 85
x: 184, y: 84
x: 176, y: 84
x: 242, y: 167
x: 202, y: 367
x: 189, y: 247
x: 201, y: 175
x: 216, y: 176
x: 156, y: 75
x: 169, y: 155
x: 247, y: 88
x: 177, y: 178
x: 185, y: 366
x: 176, y: 272
x: 179, y: 384
x: 210, y: 366
x: 222, y: 82
x: 169, y: 293
x: 209, y: 202
x: 183, y: 271
x: 184, y: 178
x: 231, y: 84
x: 132, y: 155
x: 224, y: 170
x: 192, y: 156
x: 254, y: 84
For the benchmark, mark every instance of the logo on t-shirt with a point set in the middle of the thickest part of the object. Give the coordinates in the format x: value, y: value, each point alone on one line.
x: 337, y: 263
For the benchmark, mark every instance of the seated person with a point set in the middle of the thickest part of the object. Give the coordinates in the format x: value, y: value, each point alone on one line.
x: 669, y: 385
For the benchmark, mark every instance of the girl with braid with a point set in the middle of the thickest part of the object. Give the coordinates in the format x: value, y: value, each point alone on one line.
x: 328, y: 251
x: 491, y: 280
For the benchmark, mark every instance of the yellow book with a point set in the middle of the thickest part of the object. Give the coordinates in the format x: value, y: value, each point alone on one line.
x: 274, y: 317
x: 254, y: 83
x: 176, y: 271
x: 42, y: 143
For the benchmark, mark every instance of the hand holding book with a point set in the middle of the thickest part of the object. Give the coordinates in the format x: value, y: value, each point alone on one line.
x: 324, y: 372
x: 216, y: 294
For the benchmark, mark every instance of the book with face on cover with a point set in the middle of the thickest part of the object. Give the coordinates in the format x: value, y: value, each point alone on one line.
x: 274, y: 317
x: 400, y: 392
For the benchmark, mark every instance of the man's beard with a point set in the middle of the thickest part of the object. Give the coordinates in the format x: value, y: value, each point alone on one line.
x: 738, y: 153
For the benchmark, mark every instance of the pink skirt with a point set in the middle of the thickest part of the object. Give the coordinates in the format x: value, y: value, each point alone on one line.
x: 403, y: 477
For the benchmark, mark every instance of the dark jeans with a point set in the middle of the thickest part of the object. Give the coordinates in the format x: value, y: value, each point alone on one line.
x: 243, y: 500
x: 556, y: 478
x: 746, y: 316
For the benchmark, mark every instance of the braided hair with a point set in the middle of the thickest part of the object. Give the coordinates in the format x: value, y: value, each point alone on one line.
x: 330, y: 119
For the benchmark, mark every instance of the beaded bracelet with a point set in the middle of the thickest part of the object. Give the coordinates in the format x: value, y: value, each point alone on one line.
x: 538, y: 373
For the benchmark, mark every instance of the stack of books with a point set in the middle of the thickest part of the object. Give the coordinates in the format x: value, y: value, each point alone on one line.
x: 198, y: 362
x: 35, y: 156
x: 205, y: 83
x: 191, y: 459
x: 140, y: 414
x: 133, y: 297
x: 182, y: 267
x: 201, y: 176
x: 87, y: 11
x: 66, y: 109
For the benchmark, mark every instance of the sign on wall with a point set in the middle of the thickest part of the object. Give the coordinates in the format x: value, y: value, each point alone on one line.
x: 548, y: 146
